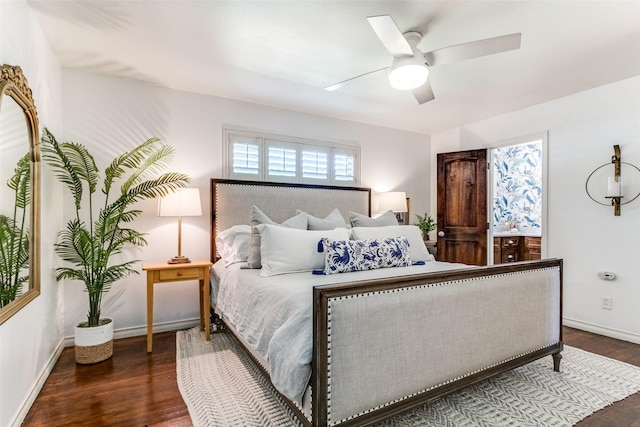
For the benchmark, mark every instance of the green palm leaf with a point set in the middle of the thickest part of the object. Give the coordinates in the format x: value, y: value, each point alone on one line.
x: 14, y: 235
x: 72, y: 164
x: 20, y: 182
x: 154, y: 162
x: 163, y: 185
x: 129, y: 160
x: 14, y: 257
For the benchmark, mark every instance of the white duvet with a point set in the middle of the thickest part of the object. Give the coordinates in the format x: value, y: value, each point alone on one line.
x: 274, y: 315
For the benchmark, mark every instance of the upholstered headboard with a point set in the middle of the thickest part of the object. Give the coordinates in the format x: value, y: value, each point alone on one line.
x: 231, y: 202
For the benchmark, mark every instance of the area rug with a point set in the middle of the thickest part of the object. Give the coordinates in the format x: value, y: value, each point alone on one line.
x: 222, y: 387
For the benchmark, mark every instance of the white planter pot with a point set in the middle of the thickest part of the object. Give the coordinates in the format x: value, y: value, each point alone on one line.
x: 94, y: 344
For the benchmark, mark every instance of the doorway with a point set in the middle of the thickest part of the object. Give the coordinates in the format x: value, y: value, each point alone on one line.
x: 517, y: 200
x: 485, y: 195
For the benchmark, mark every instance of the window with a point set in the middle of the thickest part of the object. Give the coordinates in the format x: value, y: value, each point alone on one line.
x: 282, y: 160
x: 246, y: 157
x: 315, y: 164
x: 265, y: 157
x: 343, y: 165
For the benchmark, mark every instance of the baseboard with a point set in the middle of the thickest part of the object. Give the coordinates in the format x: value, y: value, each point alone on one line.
x: 602, y: 330
x: 137, y: 331
x: 35, y: 391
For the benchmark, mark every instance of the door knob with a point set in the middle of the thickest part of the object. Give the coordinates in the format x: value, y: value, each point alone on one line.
x: 441, y: 233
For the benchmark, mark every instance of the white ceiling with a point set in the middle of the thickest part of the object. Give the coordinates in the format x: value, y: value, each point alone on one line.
x: 283, y: 53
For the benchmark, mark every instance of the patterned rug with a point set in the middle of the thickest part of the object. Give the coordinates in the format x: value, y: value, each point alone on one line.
x: 222, y: 387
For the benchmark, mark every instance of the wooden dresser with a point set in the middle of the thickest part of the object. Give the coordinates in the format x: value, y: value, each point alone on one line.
x: 516, y: 248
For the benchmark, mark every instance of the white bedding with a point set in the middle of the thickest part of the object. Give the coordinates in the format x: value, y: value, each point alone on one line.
x: 274, y: 314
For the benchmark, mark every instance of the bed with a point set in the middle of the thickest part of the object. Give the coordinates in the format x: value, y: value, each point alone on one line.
x: 357, y: 347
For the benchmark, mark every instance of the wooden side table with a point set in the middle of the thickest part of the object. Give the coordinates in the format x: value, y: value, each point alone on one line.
x: 432, y: 246
x: 161, y: 272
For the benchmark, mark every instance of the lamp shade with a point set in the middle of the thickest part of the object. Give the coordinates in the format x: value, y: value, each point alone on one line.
x: 182, y: 202
x: 395, y: 201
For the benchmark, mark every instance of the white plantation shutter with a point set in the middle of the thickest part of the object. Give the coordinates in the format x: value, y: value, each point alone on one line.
x: 281, y: 159
x: 315, y: 164
x: 245, y: 158
x: 344, y: 166
x: 265, y: 157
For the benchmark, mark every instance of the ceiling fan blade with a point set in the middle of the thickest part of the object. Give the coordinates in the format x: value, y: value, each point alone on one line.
x: 474, y: 49
x: 349, y: 81
x: 390, y: 35
x: 423, y: 93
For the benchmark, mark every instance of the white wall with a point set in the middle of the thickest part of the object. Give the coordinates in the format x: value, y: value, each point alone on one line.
x: 111, y: 115
x: 582, y: 131
x: 31, y: 340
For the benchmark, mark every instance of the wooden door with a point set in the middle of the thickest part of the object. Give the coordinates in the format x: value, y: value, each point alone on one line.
x: 462, y: 207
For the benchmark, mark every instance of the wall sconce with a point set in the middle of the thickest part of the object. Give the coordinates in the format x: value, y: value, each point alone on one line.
x: 614, y: 183
x: 395, y: 201
x: 182, y: 202
x: 614, y: 192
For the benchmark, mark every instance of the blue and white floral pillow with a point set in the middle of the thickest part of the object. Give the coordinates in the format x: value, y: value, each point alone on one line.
x: 343, y: 256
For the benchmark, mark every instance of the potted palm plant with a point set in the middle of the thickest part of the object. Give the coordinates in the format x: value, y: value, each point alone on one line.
x: 14, y: 236
x: 97, y: 235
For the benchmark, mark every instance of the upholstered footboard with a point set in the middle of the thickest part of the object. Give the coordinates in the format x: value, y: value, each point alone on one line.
x: 384, y: 346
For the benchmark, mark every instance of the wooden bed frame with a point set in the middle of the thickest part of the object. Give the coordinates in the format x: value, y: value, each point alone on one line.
x: 512, y: 313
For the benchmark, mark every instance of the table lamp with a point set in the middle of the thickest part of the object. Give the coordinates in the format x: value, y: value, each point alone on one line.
x: 182, y: 202
x: 395, y: 201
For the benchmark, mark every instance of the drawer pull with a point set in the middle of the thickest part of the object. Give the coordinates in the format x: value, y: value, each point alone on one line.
x: 510, y: 242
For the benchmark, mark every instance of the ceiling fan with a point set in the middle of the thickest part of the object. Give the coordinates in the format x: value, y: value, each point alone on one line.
x: 409, y: 68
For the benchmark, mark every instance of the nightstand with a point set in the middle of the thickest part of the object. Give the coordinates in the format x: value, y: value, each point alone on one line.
x: 161, y: 272
x: 432, y: 246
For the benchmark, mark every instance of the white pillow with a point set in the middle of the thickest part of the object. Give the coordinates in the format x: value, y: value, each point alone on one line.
x: 258, y: 217
x: 359, y: 220
x: 233, y: 244
x: 331, y: 221
x: 289, y: 250
x: 417, y: 248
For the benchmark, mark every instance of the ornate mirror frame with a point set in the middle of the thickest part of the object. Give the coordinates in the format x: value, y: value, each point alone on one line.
x: 14, y: 84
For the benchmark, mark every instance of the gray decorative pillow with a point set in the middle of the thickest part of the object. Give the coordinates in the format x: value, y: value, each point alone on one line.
x: 331, y: 221
x: 258, y: 217
x: 359, y: 220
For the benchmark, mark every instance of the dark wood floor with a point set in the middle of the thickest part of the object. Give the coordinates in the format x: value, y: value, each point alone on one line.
x: 136, y: 389
x: 131, y: 389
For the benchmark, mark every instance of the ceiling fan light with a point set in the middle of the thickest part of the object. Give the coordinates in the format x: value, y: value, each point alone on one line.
x: 408, y: 76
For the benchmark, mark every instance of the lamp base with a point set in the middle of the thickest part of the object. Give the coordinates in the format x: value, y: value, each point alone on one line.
x: 179, y: 260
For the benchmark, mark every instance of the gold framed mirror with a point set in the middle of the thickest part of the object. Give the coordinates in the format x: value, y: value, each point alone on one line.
x: 19, y: 193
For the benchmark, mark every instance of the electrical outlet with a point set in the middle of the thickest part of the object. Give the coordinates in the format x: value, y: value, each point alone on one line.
x: 607, y: 303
